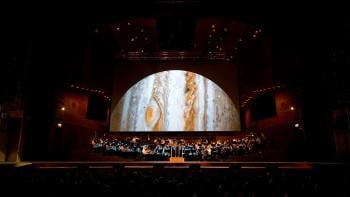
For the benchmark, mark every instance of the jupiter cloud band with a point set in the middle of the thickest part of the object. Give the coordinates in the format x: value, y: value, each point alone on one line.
x: 175, y: 101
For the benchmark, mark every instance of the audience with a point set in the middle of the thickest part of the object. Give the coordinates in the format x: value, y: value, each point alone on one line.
x: 121, y: 181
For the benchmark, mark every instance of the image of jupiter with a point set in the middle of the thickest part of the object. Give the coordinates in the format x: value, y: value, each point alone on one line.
x: 175, y: 101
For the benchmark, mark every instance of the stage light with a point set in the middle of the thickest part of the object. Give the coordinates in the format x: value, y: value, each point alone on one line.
x: 296, y: 125
x: 212, y: 26
x: 59, y: 125
x: 63, y: 108
x: 292, y: 108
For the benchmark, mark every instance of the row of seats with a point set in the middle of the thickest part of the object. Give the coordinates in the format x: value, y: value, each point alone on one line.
x: 328, y: 181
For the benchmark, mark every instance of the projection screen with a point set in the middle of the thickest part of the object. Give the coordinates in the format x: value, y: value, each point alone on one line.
x: 175, y: 100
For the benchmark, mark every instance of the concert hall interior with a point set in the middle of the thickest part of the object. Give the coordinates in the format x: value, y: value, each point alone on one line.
x: 142, y: 88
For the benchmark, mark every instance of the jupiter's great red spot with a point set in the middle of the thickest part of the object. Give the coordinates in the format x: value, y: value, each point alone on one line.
x: 148, y: 115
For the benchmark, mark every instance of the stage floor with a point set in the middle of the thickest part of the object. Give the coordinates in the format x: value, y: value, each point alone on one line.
x: 168, y: 164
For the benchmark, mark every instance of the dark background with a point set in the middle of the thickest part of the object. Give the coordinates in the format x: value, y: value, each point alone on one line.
x: 43, y: 49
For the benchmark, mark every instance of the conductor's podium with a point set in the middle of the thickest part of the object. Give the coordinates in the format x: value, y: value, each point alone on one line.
x: 177, y: 159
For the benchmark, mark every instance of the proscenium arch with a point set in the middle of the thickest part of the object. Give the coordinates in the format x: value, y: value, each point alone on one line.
x: 175, y: 100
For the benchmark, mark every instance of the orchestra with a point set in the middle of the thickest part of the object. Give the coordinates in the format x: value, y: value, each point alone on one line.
x: 161, y: 149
